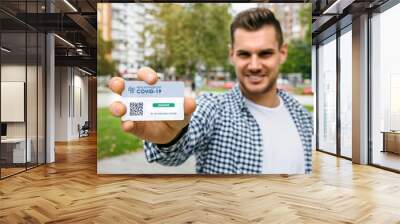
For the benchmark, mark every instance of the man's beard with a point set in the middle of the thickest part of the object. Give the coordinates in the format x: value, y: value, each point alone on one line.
x: 271, y: 84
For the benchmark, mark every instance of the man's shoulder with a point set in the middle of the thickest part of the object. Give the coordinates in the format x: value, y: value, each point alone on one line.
x: 219, y: 100
x: 292, y: 103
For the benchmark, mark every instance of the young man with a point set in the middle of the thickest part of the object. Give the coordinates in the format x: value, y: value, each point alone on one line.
x: 254, y: 128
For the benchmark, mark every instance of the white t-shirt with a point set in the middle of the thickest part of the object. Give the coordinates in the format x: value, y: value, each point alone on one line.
x: 283, y: 150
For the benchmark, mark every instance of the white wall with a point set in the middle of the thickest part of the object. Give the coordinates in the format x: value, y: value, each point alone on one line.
x: 61, y: 103
x: 14, y: 73
x: 71, y: 88
x: 80, y: 96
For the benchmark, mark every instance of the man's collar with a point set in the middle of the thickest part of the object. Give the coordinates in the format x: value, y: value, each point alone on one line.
x: 239, y: 98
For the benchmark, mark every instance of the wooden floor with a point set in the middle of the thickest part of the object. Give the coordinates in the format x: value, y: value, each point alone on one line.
x: 70, y: 191
x: 10, y: 171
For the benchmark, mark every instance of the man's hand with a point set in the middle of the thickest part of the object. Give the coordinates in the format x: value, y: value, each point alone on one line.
x: 159, y: 132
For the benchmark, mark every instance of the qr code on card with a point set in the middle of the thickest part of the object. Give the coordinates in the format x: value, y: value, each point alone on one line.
x: 136, y: 108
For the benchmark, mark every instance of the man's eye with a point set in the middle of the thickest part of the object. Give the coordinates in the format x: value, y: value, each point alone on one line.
x: 243, y: 55
x: 265, y: 54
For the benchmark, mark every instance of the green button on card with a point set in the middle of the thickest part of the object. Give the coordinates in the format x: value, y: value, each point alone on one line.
x: 163, y: 105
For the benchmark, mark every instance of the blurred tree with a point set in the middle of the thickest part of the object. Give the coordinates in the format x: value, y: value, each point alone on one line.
x: 306, y: 21
x: 212, y: 37
x: 299, y: 58
x: 105, y: 64
x: 186, y: 37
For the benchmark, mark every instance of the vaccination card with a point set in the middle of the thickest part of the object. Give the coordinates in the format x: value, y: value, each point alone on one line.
x: 161, y: 101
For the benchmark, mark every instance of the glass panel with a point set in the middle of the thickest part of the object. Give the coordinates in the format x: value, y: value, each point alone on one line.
x: 31, y: 98
x: 327, y: 96
x: 22, y: 78
x: 346, y: 93
x: 41, y: 98
x: 13, y: 85
x: 31, y: 86
x: 386, y: 89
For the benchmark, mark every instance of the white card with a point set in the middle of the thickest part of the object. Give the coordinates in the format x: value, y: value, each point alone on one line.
x: 161, y: 101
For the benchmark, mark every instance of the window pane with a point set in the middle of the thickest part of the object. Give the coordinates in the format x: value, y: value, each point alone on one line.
x: 41, y: 98
x: 346, y: 93
x: 31, y: 97
x: 13, y: 85
x: 386, y: 89
x: 327, y: 96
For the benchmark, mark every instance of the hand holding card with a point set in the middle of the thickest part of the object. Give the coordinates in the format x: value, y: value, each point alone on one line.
x: 161, y: 101
x: 157, y: 130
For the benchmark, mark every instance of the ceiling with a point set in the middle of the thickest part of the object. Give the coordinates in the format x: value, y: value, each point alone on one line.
x: 330, y: 15
x: 74, y: 21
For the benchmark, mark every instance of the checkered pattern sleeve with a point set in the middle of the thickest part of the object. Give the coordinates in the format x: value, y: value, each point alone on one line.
x: 195, y: 138
x: 307, y: 124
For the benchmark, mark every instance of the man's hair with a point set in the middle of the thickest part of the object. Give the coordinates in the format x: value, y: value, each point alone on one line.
x: 254, y: 19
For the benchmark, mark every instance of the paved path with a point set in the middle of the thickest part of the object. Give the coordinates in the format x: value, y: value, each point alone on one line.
x: 105, y: 98
x: 304, y: 99
x: 136, y: 163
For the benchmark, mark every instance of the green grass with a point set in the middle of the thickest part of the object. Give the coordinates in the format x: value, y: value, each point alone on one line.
x: 111, y: 140
x: 310, y: 108
x: 205, y: 88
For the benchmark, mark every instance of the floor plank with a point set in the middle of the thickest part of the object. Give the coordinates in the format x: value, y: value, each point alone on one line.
x: 70, y: 191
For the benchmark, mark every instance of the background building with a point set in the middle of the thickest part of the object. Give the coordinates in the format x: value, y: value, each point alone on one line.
x: 289, y: 18
x: 126, y: 23
x: 104, y: 19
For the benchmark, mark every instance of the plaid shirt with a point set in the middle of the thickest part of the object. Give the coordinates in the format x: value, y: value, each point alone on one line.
x: 225, y: 137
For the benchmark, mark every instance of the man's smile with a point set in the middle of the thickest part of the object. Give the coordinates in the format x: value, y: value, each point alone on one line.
x: 255, y: 78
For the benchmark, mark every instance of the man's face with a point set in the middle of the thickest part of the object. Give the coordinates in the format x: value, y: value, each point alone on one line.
x: 257, y: 57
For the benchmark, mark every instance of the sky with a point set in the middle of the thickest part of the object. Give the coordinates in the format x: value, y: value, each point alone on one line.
x: 238, y: 7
